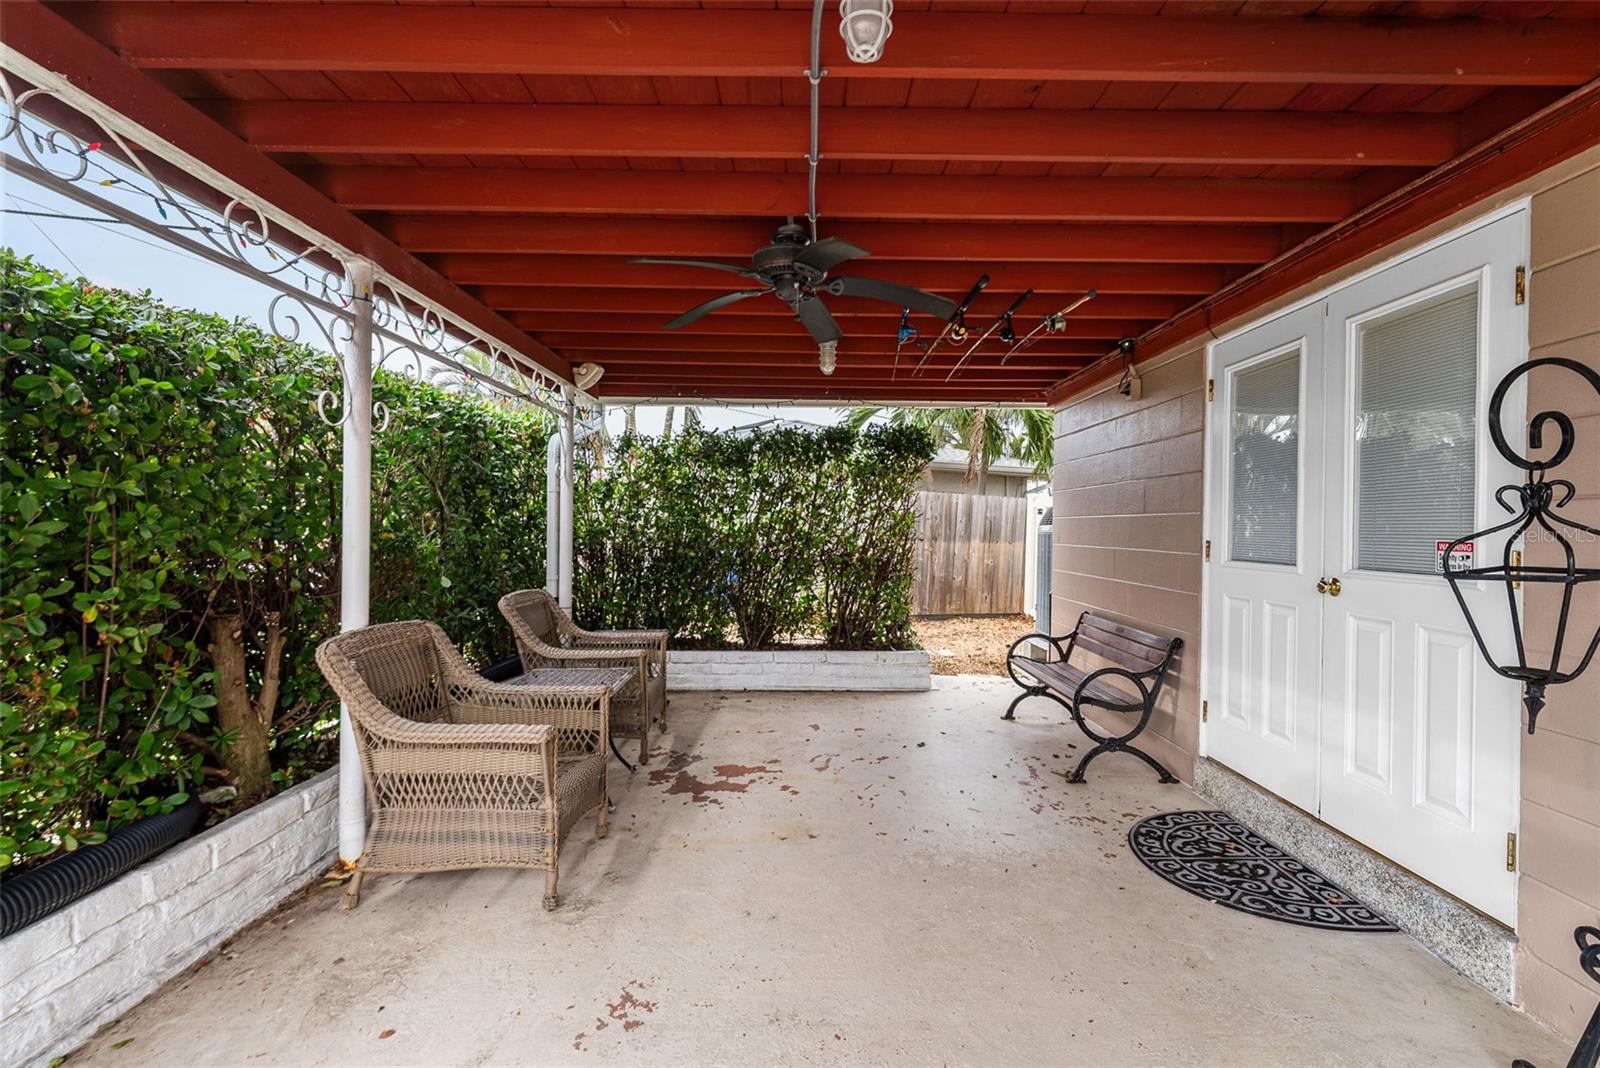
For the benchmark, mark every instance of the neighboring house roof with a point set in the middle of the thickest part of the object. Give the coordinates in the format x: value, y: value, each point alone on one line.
x: 950, y: 458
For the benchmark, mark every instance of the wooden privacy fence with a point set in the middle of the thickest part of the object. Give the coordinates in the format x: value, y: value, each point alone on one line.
x: 969, y: 554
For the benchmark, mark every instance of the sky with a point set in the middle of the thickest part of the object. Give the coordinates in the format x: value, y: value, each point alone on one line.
x: 117, y: 256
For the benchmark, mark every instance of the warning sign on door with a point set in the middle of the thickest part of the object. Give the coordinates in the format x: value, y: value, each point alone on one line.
x: 1460, y: 559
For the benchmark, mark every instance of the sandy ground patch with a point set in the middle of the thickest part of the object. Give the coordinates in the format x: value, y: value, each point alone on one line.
x: 971, y: 645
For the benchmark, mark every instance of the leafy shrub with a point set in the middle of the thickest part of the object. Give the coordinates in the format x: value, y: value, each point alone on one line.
x: 169, y: 511
x: 144, y: 492
x: 769, y: 536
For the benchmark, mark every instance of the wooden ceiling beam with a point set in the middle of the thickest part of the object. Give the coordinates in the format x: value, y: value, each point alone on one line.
x: 951, y: 279
x: 943, y: 45
x: 667, y: 303
x: 668, y: 343
x: 955, y: 394
x: 734, y: 240
x: 761, y: 326
x: 971, y: 198
x: 710, y: 364
x: 981, y: 135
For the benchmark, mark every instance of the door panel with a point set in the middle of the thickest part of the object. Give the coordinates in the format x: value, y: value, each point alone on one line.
x: 1346, y: 439
x: 1414, y: 352
x: 1369, y: 686
x: 1263, y: 661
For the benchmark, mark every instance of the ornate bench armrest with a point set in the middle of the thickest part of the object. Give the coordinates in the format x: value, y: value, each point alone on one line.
x: 1081, y: 696
x: 1040, y: 635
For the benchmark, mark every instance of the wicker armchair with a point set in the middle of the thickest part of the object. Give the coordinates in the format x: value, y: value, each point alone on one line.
x: 462, y: 772
x: 547, y: 637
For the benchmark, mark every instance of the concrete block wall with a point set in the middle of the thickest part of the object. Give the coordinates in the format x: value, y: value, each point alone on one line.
x: 82, y: 967
x: 798, y: 670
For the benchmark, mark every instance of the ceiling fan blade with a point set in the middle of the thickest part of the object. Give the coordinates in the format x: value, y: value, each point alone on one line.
x: 817, y: 320
x: 828, y: 253
x: 710, y: 306
x: 732, y: 268
x: 892, y: 293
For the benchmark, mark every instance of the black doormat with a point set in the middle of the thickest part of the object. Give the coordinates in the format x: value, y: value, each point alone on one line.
x: 1214, y: 856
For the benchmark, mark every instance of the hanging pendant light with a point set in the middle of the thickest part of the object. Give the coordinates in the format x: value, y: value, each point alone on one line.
x: 828, y: 357
x: 865, y: 26
x: 1538, y: 502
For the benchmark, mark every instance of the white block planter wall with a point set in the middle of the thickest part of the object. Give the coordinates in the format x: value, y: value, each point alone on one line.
x: 82, y: 967
x: 821, y: 669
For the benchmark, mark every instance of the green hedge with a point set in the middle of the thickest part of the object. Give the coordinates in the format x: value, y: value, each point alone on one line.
x: 169, y: 511
x: 753, y: 539
x: 165, y: 478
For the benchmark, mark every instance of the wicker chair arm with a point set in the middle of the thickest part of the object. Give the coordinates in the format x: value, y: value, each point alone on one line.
x: 592, y: 656
x: 565, y: 707
x: 626, y: 639
x: 399, y: 731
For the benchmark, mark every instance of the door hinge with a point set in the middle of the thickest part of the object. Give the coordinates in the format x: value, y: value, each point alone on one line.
x: 1511, y: 851
x: 1211, y: 384
x: 1208, y: 550
x: 1522, y: 285
x: 1205, y: 711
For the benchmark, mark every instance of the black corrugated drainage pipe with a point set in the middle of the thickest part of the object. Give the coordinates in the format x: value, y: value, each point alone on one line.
x: 509, y: 668
x: 38, y: 892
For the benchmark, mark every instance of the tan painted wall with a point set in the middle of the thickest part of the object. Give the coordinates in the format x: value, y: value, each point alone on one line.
x: 1128, y: 493
x: 1127, y: 529
x: 1560, y: 834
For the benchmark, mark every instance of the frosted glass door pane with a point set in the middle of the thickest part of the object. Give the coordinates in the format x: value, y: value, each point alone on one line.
x: 1265, y: 493
x: 1416, y: 432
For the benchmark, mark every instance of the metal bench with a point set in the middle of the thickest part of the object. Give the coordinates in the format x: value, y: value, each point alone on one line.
x: 1131, y: 686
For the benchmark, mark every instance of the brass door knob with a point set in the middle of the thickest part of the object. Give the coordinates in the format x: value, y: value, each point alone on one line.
x: 1332, y: 586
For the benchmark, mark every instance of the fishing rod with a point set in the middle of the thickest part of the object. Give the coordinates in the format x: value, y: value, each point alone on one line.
x: 1053, y: 323
x: 955, y: 328
x: 907, y: 334
x: 1001, y: 325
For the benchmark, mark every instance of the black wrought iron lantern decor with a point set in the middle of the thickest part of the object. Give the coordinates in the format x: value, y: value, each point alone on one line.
x: 1535, y: 505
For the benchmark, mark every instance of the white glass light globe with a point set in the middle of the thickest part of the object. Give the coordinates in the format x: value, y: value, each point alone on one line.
x: 865, y: 26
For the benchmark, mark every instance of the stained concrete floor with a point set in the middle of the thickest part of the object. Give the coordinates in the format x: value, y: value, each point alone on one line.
x: 824, y: 879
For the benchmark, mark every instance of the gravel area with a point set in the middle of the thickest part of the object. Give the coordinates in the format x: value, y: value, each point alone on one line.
x: 971, y: 645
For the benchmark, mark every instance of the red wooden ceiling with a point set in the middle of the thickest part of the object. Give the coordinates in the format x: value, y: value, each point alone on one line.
x: 1153, y: 151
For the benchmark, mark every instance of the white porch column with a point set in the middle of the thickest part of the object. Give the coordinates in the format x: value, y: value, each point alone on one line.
x: 552, y: 515
x: 568, y: 440
x: 355, y: 543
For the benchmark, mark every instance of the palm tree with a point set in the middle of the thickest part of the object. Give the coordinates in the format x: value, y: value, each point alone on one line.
x: 988, y: 434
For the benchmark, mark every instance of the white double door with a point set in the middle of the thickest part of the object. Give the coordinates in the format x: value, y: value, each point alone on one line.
x: 1345, y: 440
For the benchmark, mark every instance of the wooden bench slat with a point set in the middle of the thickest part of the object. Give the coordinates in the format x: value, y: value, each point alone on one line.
x: 1066, y: 679
x: 1123, y: 658
x: 1154, y: 642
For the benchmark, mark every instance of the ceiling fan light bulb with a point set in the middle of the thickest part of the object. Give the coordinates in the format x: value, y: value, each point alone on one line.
x: 828, y: 357
x: 865, y: 26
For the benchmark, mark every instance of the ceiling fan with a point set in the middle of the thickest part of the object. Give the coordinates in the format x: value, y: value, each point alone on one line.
x: 795, y: 269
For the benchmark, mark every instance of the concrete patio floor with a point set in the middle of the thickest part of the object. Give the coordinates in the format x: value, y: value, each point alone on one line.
x: 818, y: 879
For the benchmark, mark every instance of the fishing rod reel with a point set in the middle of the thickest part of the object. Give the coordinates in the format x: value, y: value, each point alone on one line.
x: 907, y: 333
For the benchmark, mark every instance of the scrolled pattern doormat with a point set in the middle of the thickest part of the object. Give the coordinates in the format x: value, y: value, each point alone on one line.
x: 1214, y: 856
